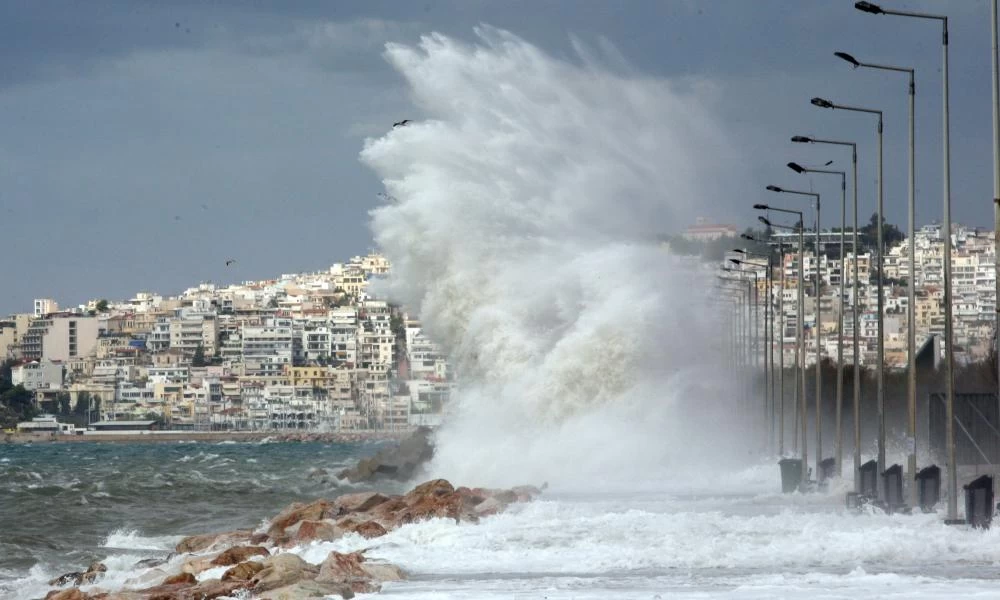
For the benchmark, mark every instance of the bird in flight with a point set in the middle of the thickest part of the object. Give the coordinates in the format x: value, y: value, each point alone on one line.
x: 400, y: 123
x: 230, y: 261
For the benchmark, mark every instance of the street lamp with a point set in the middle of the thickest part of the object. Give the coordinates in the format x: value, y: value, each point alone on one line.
x: 880, y: 345
x: 800, y: 139
x: 911, y: 331
x: 840, y: 321
x: 768, y: 376
x: 800, y: 396
x: 949, y: 362
x: 756, y: 312
x: 819, y: 325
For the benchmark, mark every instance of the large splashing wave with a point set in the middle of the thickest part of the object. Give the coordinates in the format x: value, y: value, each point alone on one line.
x: 522, y: 224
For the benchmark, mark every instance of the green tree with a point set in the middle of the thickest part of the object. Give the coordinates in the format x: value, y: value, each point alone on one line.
x: 82, y: 404
x: 64, y: 402
x: 18, y: 405
x: 199, y: 357
x: 102, y: 306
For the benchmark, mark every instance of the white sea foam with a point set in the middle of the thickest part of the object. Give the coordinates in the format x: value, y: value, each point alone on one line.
x: 131, y: 539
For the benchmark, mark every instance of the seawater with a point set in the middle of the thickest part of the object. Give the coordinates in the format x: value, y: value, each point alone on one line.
x: 731, y: 536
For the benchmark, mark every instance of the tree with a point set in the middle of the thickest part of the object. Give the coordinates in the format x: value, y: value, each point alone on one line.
x: 199, y: 357
x: 64, y: 401
x: 82, y: 404
x: 891, y: 235
x: 18, y: 404
x: 102, y: 306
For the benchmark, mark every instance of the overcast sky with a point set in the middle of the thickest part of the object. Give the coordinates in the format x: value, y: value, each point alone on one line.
x: 142, y: 144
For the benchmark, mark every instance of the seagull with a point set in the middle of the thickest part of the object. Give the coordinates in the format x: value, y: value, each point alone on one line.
x: 230, y: 261
x: 400, y: 123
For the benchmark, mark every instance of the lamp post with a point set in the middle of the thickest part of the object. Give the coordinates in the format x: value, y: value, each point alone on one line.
x: 868, y: 7
x: 755, y: 336
x: 768, y: 378
x: 819, y: 326
x: 838, y: 438
x: 880, y: 345
x: 800, y: 334
x: 743, y: 318
x: 996, y: 180
x: 911, y: 331
x: 856, y: 326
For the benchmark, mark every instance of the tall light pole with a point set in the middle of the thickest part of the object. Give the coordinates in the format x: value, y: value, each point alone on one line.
x: 756, y: 311
x: 911, y: 330
x: 949, y: 361
x: 840, y: 323
x: 996, y: 183
x: 854, y: 312
x: 768, y: 378
x: 801, y: 323
x: 879, y: 251
x: 819, y: 327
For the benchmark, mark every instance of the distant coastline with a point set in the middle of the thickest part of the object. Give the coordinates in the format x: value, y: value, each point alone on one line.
x: 208, y: 436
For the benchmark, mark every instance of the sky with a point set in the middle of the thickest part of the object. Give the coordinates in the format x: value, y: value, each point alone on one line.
x: 145, y: 143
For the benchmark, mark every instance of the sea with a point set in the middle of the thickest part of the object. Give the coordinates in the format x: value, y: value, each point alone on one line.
x: 732, y: 535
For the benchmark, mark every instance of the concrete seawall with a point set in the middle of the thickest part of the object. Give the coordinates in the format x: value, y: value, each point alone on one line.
x: 208, y: 436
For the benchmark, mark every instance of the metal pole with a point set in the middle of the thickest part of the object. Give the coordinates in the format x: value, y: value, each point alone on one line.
x: 839, y: 439
x: 880, y: 367
x: 857, y: 324
x: 781, y: 357
x: 770, y: 346
x: 911, y: 326
x: 948, y: 335
x: 819, y: 372
x: 996, y: 186
x: 802, y: 352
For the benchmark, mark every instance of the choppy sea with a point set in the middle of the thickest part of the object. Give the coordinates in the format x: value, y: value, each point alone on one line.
x: 63, y: 506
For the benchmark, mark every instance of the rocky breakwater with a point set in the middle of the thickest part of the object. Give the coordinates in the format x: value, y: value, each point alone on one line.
x: 258, y: 565
x: 399, y: 463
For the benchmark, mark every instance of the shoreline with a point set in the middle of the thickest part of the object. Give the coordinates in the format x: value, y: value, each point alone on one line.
x: 209, y: 436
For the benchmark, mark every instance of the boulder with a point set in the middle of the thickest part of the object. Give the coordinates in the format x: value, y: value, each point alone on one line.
x: 370, y: 529
x: 490, y: 506
x: 399, y: 463
x: 434, y: 487
x: 197, y: 543
x: 197, y: 564
x: 70, y: 594
x: 430, y: 506
x: 206, y: 590
x: 94, y: 572
x: 282, y: 570
x: 181, y: 578
x: 314, y: 511
x: 361, y: 502
x: 238, y: 554
x: 305, y: 590
x: 243, y: 571
x: 312, y: 531
x: 356, y: 571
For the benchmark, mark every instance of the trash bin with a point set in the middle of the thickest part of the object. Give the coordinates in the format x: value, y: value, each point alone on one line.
x: 928, y: 487
x: 791, y: 474
x: 827, y: 466
x: 892, y: 479
x: 869, y: 480
x: 979, y: 502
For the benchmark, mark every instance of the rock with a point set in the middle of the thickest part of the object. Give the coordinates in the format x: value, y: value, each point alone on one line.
x: 181, y: 578
x: 73, y: 578
x: 149, y: 563
x: 238, y: 554
x: 282, y: 570
x: 346, y: 569
x: 370, y: 529
x: 314, y: 511
x: 243, y: 571
x: 399, y: 463
x: 490, y: 506
x: 198, y: 564
x: 434, y: 487
x: 94, y: 572
x: 197, y: 543
x: 259, y: 538
x: 385, y: 513
x: 304, y: 590
x: 70, y: 594
x: 447, y: 506
x: 312, y: 531
x: 361, y: 502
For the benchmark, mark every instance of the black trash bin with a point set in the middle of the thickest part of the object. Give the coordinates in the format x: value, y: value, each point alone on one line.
x: 827, y: 467
x: 869, y: 480
x: 791, y: 474
x: 892, y: 479
x: 929, y: 487
x: 979, y: 502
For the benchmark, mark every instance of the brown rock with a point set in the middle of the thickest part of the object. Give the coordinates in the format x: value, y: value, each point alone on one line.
x: 434, y: 487
x: 314, y: 511
x: 181, y: 578
x: 385, y: 513
x: 446, y: 506
x: 238, y: 554
x: 370, y: 529
x: 490, y: 506
x: 361, y: 502
x: 282, y: 570
x: 259, y: 538
x: 306, y: 590
x: 310, y: 531
x: 346, y: 569
x: 198, y: 564
x: 70, y: 594
x: 74, y: 578
x: 197, y: 543
x: 243, y: 571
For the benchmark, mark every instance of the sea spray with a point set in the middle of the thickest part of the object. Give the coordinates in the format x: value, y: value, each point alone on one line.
x: 522, y: 221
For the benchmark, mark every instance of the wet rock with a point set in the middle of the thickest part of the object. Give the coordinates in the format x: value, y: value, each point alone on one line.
x: 354, y: 570
x: 314, y: 511
x: 70, y: 594
x: 283, y: 570
x: 243, y: 571
x: 181, y: 578
x: 361, y: 502
x: 434, y: 487
x: 259, y: 538
x: 306, y: 590
x: 92, y: 574
x: 311, y: 531
x: 400, y: 463
x: 238, y: 554
x: 490, y: 506
x: 150, y: 563
x: 370, y: 529
x: 73, y: 578
x: 197, y: 543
